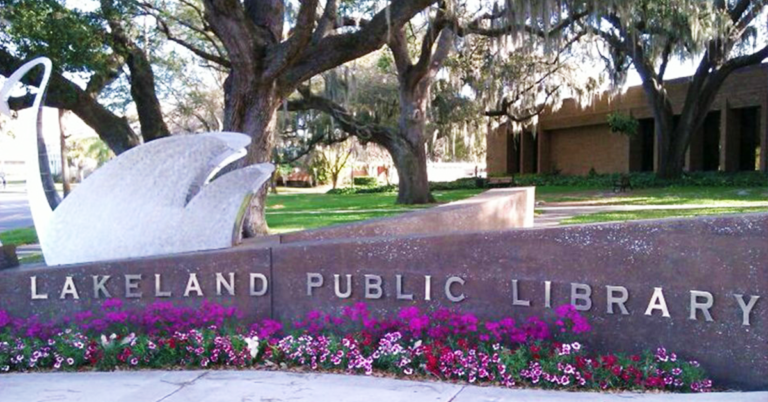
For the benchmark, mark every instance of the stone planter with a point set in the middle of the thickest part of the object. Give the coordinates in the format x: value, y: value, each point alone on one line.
x: 8, y: 257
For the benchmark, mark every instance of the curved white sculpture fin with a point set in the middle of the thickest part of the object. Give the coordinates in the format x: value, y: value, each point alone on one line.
x: 219, y: 208
x: 38, y: 203
x: 157, y: 198
x: 154, y: 200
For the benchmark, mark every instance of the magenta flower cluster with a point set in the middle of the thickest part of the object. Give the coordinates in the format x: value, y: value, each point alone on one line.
x: 444, y: 344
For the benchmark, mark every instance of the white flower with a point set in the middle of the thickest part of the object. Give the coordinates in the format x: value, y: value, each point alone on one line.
x: 128, y: 339
x: 253, y: 345
x: 576, y: 346
x: 107, y: 341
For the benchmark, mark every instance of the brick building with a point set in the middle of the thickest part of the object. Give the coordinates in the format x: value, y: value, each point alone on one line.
x: 574, y: 140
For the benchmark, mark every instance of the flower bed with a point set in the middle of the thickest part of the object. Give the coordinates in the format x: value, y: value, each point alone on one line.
x: 441, y: 344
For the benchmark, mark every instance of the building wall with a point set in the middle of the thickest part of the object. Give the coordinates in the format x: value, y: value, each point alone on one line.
x: 573, y: 139
x: 575, y: 151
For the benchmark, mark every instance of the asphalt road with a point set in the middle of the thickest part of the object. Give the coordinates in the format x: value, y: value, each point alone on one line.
x: 14, y: 208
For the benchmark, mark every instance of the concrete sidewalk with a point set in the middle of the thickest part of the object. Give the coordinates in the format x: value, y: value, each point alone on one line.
x: 200, y: 386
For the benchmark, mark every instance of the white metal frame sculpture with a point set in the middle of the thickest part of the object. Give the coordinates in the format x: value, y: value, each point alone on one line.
x: 158, y: 198
x: 38, y: 203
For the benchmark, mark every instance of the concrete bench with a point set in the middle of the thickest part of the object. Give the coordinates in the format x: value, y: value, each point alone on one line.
x: 500, y: 181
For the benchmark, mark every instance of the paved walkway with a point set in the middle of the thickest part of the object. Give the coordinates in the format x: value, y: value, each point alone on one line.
x: 213, y: 386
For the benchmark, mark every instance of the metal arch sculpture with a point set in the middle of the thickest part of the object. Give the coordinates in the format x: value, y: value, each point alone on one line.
x: 158, y: 198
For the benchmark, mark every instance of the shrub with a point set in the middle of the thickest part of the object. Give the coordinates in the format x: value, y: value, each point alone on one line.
x: 647, y: 180
x: 365, y: 181
x: 342, y: 191
x: 623, y: 124
x: 389, y: 188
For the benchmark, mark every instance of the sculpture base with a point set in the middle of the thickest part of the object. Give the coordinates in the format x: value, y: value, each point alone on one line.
x: 8, y: 257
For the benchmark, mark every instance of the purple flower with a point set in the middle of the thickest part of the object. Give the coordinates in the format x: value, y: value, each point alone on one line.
x: 5, y: 318
x: 571, y: 320
x: 112, y: 304
x: 117, y: 317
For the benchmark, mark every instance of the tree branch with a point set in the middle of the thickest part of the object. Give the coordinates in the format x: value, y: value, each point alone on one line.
x: 286, y: 52
x: 744, y: 61
x: 99, y: 80
x: 434, y: 30
x: 327, y: 22
x: 240, y: 36
x: 336, y: 50
x: 64, y: 94
x: 505, y: 110
x: 378, y: 134
x: 665, y: 59
x: 194, y: 49
x: 745, y: 16
x: 474, y: 27
x: 142, y: 77
x: 398, y: 45
x: 738, y: 9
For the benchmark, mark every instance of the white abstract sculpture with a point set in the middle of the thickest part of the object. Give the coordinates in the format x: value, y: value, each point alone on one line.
x: 157, y: 198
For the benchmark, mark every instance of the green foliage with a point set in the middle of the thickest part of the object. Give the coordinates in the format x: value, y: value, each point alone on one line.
x: 74, y: 40
x: 365, y: 181
x: 623, y: 124
x: 675, y: 28
x: 385, y: 62
x: 89, y: 148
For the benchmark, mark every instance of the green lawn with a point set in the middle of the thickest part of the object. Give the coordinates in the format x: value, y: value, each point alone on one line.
x: 292, y: 212
x: 710, y: 196
x: 714, y: 201
x: 656, y: 214
x: 19, y: 236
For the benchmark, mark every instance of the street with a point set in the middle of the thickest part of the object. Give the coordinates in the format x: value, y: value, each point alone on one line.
x: 14, y: 208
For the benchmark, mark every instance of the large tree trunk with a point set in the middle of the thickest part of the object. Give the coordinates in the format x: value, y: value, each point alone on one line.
x: 266, y: 67
x: 409, y: 150
x: 663, y: 118
x: 64, y: 163
x: 411, y: 165
x: 251, y: 109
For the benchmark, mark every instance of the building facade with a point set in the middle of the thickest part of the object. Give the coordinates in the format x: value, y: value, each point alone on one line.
x: 575, y: 140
